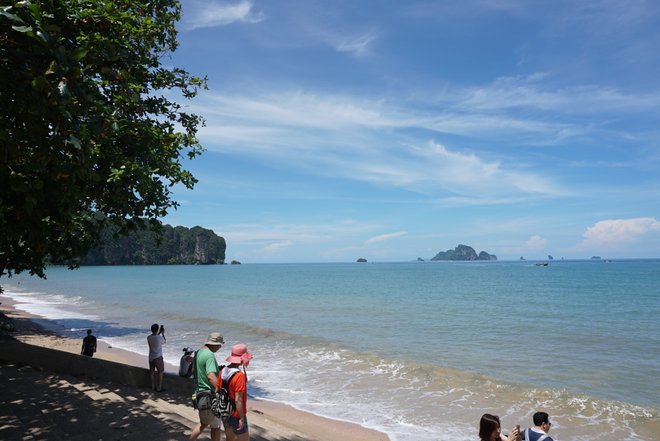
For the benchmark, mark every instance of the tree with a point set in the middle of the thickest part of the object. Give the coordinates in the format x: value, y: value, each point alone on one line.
x: 90, y: 135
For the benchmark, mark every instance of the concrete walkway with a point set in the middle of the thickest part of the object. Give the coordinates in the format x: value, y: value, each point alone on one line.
x: 60, y: 407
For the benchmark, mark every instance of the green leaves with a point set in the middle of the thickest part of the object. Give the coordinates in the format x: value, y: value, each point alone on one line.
x: 87, y: 123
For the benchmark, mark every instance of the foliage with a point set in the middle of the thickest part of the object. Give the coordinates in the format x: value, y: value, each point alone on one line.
x: 89, y: 135
x: 176, y: 245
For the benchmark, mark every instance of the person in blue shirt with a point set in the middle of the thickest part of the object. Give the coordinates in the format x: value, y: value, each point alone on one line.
x: 540, y: 430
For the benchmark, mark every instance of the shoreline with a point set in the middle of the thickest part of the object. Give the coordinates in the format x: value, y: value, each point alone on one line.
x: 274, y: 419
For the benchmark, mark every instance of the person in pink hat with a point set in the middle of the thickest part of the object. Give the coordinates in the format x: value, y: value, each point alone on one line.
x: 236, y: 425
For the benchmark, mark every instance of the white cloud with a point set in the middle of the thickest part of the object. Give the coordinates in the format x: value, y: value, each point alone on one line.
x: 209, y: 13
x: 616, y: 232
x: 384, y: 237
x: 536, y: 242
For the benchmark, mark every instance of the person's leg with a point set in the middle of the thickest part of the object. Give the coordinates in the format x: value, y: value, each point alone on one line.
x: 215, y: 434
x: 199, y: 428
x: 207, y: 418
x: 229, y: 433
x: 160, y: 366
x: 152, y: 369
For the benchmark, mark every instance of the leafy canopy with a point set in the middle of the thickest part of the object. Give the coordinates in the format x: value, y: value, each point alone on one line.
x: 89, y: 132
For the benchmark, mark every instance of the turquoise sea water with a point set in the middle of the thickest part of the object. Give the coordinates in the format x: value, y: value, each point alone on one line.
x: 418, y: 350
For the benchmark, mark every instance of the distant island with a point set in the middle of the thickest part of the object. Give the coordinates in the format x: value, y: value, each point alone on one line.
x: 178, y: 245
x: 463, y: 252
x: 362, y: 260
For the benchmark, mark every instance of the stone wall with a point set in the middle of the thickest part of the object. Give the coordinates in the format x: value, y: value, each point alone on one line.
x: 62, y: 362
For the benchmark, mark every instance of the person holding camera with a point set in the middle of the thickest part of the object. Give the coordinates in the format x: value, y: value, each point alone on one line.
x: 490, y: 429
x: 156, y: 341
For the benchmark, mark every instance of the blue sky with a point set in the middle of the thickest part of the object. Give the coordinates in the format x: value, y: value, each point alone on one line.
x: 393, y: 130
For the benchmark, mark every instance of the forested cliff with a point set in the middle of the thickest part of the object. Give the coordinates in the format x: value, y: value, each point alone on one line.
x: 178, y: 245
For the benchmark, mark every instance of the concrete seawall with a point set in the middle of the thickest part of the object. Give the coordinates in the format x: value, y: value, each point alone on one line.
x: 78, y: 365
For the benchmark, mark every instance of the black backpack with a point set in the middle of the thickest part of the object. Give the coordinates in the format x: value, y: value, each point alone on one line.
x: 223, y: 406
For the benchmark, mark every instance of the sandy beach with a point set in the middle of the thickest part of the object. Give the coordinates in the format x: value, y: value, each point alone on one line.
x: 80, y: 408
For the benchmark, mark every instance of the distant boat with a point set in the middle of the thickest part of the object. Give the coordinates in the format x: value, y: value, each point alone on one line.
x: 541, y: 264
x: 522, y: 258
x: 550, y: 257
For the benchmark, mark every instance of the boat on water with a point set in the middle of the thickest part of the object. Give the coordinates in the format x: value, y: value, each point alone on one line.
x: 541, y: 264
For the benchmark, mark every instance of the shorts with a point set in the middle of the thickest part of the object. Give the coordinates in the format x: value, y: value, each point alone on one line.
x: 158, y: 364
x: 232, y: 422
x: 207, y: 418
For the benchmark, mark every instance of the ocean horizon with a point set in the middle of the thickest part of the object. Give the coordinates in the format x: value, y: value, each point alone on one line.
x: 413, y: 349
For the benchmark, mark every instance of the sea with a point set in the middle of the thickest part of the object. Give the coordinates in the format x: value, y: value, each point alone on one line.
x: 417, y: 350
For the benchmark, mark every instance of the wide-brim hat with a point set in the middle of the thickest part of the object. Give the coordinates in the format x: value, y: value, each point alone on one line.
x: 239, y: 354
x: 215, y: 339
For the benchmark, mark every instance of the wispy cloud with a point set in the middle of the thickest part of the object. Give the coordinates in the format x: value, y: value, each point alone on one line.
x: 267, y: 240
x: 359, y: 46
x: 364, y: 140
x: 266, y: 235
x: 209, y: 13
x: 532, y: 93
x: 395, y: 145
x: 384, y: 237
x: 277, y: 246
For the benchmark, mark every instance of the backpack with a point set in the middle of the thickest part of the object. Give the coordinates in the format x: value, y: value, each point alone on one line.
x: 223, y: 406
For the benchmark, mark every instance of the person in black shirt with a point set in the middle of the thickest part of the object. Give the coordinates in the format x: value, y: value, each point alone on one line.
x: 88, y: 344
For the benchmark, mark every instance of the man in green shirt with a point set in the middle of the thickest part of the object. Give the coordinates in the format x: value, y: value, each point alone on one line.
x: 206, y: 373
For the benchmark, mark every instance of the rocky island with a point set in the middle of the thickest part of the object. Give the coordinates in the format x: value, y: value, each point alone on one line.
x: 463, y: 252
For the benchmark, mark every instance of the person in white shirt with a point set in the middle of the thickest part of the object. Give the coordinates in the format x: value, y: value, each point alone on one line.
x: 156, y: 341
x: 186, y: 363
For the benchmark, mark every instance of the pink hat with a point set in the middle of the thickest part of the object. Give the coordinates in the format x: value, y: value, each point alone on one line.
x: 239, y: 354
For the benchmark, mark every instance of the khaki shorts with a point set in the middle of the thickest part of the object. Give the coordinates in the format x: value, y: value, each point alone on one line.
x: 206, y: 417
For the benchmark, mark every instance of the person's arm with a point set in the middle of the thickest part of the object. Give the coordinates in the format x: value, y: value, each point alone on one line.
x: 95, y: 345
x: 240, y: 409
x: 213, y: 379
x: 162, y: 332
x: 82, y: 349
x: 514, y: 435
